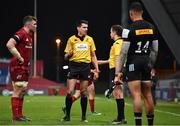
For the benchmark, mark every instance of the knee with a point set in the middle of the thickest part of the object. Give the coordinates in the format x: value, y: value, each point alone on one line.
x: 69, y: 92
x: 150, y: 110
x: 117, y: 93
x: 83, y: 94
x: 69, y: 95
x: 136, y: 96
x: 16, y: 92
x: 22, y: 92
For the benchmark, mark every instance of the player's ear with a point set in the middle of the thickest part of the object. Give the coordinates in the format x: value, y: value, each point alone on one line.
x: 78, y: 28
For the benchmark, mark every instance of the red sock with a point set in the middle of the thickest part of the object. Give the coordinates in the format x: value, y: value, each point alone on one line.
x: 20, y: 113
x: 91, y: 103
x: 74, y: 99
x: 15, y: 106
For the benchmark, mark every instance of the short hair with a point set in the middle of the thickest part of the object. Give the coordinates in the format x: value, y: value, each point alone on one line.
x: 136, y: 6
x: 79, y: 23
x: 29, y: 19
x: 118, y: 29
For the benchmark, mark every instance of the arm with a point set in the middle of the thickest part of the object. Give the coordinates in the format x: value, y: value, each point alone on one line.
x: 68, y: 55
x: 11, y: 46
x: 153, y: 53
x: 68, y: 50
x: 101, y: 62
x: 94, y: 61
x: 120, y: 60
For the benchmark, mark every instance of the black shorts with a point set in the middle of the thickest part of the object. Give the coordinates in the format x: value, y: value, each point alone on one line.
x: 79, y: 71
x: 137, y: 68
x: 111, y: 77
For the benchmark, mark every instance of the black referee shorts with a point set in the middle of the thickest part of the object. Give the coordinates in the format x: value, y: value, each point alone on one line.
x: 79, y: 71
x: 111, y: 77
x: 137, y: 68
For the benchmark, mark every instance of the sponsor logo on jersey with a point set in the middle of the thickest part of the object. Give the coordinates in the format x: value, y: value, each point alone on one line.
x: 19, y: 76
x: 29, y: 46
x: 144, y: 32
x: 82, y: 47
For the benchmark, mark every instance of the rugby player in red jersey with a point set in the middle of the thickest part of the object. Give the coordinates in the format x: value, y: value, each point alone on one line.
x: 20, y: 46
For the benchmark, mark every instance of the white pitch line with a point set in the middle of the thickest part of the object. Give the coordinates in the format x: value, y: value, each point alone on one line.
x: 170, y: 113
x: 157, y: 110
x: 160, y: 111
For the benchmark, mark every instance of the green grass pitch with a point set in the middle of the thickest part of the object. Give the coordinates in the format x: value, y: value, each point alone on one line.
x: 46, y: 110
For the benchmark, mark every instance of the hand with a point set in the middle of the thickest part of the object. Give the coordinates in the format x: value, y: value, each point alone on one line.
x: 94, y: 70
x: 96, y: 75
x: 118, y: 78
x: 153, y: 72
x: 21, y: 60
x: 70, y: 54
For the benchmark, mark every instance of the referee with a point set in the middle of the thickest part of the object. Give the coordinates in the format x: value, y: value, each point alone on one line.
x: 80, y: 51
x: 141, y: 47
x: 115, y: 33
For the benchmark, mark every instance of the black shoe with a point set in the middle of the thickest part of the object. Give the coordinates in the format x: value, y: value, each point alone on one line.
x: 124, y: 121
x: 26, y: 118
x: 65, y: 118
x: 83, y: 119
x: 19, y: 119
x: 116, y: 121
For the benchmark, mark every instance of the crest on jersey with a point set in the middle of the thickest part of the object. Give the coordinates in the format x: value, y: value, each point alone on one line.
x: 27, y: 40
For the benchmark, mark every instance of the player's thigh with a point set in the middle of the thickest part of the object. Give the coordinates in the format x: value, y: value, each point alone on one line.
x: 77, y: 86
x: 71, y: 85
x: 146, y: 89
x: 83, y: 85
x: 135, y: 88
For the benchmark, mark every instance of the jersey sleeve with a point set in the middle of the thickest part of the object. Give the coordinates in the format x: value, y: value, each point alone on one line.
x: 126, y: 35
x: 92, y: 47
x: 68, y: 46
x: 18, y: 36
x: 117, y: 48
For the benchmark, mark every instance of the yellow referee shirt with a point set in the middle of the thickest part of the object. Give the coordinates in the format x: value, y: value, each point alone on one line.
x: 81, y: 48
x: 115, y: 51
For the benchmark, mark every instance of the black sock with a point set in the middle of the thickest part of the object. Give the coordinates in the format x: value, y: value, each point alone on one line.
x: 138, y: 118
x: 120, y: 108
x: 68, y: 105
x: 150, y: 119
x: 83, y: 105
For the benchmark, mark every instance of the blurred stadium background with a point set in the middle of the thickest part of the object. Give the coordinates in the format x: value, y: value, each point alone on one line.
x: 56, y: 20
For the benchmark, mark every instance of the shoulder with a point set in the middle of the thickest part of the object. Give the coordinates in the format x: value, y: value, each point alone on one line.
x: 20, y: 32
x: 89, y: 38
x: 118, y: 42
x: 72, y: 38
